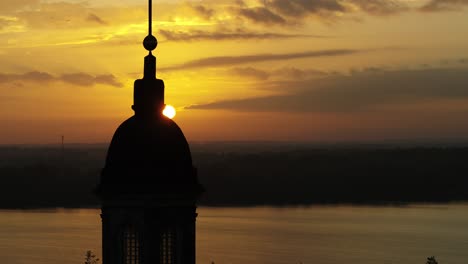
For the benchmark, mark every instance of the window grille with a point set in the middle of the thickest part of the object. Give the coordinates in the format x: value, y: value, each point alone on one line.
x: 168, y: 246
x: 131, y: 246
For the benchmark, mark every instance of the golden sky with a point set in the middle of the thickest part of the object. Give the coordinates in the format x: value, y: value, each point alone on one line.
x: 289, y: 70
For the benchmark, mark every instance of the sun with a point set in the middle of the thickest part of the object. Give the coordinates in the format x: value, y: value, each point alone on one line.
x: 169, y: 111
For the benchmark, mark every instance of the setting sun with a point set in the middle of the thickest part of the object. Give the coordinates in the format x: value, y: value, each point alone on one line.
x: 311, y: 131
x: 169, y: 111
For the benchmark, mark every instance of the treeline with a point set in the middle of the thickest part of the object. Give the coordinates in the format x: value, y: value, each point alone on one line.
x: 251, y: 174
x: 47, y: 177
x: 337, y: 176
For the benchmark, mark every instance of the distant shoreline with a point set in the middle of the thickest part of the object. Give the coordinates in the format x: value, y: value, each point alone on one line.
x: 378, y: 204
x: 404, y: 143
x: 252, y: 175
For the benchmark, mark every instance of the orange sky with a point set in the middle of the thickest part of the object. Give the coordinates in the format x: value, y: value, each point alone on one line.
x: 298, y: 70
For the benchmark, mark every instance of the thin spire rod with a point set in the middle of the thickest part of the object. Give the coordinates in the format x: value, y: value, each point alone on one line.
x: 150, y: 16
x: 150, y: 42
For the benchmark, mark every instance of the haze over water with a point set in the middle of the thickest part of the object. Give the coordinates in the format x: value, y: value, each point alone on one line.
x: 319, y: 234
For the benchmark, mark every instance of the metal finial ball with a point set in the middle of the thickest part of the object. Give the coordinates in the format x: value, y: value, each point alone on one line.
x: 150, y: 43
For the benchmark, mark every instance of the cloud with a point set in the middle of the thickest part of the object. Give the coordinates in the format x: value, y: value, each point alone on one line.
x: 295, y: 73
x: 64, y: 15
x: 380, y: 7
x: 361, y: 91
x: 96, y: 19
x: 108, y: 79
x: 224, y: 34
x: 79, y: 79
x: 463, y: 61
x: 285, y: 12
x: 261, y: 15
x: 204, y: 12
x: 251, y: 72
x: 34, y: 76
x: 290, y: 73
x: 294, y: 8
x: 294, y: 12
x: 236, y: 60
x: 443, y: 5
x: 84, y: 79
x: 7, y: 6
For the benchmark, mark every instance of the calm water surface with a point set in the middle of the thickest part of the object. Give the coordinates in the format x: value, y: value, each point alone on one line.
x: 321, y: 234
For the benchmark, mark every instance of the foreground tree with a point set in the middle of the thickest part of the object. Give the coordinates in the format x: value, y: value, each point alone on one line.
x: 431, y: 260
x: 90, y: 258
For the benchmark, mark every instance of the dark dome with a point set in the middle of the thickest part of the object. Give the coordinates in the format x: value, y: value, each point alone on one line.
x: 148, y: 154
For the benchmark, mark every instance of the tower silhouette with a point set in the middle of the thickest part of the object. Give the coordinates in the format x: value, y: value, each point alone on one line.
x: 148, y: 187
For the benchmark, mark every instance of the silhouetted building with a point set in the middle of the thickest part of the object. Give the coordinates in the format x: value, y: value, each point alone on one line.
x: 148, y: 186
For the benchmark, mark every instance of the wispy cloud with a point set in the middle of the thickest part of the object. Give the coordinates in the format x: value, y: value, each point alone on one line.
x: 79, y: 79
x: 289, y: 73
x: 196, y: 35
x: 443, y: 5
x: 261, y: 15
x: 33, y: 76
x: 294, y: 12
x: 361, y: 91
x: 94, y: 18
x: 285, y: 12
x: 84, y: 79
x: 251, y: 72
x: 7, y: 6
x: 380, y: 7
x: 203, y: 11
x: 65, y: 15
x: 236, y: 60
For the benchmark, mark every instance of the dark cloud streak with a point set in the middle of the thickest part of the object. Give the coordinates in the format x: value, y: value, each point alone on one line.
x: 96, y: 19
x: 286, y: 12
x: 79, y: 79
x: 236, y: 60
x: 204, y: 12
x: 295, y: 8
x: 443, y: 5
x: 251, y: 72
x: 282, y: 73
x: 196, y: 35
x: 261, y: 15
x: 361, y: 91
x: 380, y: 7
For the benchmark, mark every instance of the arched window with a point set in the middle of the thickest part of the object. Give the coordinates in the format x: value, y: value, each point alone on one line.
x: 168, y: 246
x: 131, y: 245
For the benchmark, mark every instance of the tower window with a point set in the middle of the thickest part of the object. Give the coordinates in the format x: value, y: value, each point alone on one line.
x: 168, y: 248
x: 131, y: 246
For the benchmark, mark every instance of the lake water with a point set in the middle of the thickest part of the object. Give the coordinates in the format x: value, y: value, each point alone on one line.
x: 319, y: 234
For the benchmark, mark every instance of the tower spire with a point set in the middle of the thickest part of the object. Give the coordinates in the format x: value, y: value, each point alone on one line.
x: 150, y: 17
x: 148, y: 94
x: 150, y: 43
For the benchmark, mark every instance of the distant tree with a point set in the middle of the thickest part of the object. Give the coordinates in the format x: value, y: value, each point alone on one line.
x: 90, y: 258
x: 431, y: 260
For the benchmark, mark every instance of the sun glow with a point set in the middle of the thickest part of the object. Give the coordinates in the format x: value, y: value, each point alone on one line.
x: 169, y: 111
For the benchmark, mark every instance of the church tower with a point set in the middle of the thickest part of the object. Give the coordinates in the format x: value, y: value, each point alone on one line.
x: 148, y: 187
